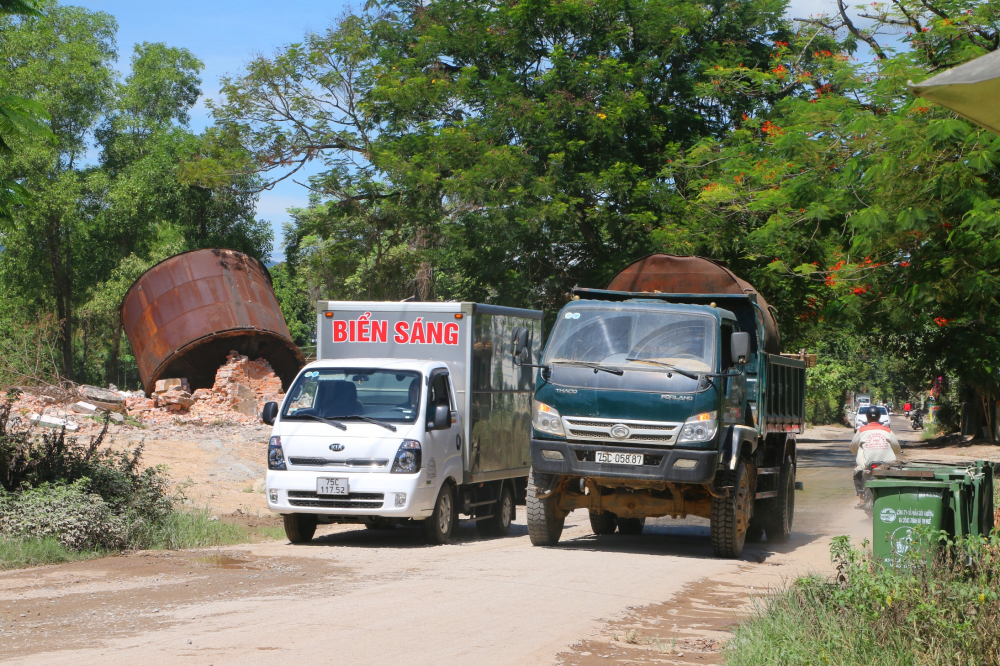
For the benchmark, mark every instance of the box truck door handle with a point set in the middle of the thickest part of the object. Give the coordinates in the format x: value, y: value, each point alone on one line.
x: 458, y: 442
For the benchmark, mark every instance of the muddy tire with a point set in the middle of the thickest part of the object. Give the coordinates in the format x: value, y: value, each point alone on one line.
x: 778, y: 517
x: 631, y: 526
x: 603, y: 522
x: 731, y: 514
x: 503, y: 515
x: 439, y: 525
x: 382, y: 524
x: 544, y: 527
x: 299, y: 527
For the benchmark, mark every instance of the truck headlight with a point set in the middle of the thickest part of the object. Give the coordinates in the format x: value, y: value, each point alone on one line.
x: 546, y: 419
x: 275, y: 456
x: 699, y: 428
x: 407, y: 458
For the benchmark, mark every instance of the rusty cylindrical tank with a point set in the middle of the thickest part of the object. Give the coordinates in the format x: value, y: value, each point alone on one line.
x: 672, y: 274
x: 186, y: 313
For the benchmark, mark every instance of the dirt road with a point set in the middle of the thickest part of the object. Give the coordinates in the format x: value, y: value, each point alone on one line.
x: 356, y: 596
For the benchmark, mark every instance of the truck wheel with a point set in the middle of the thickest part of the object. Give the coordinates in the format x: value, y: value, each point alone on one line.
x: 299, y: 527
x: 781, y: 510
x: 503, y: 513
x: 603, y: 522
x: 382, y: 524
x: 631, y: 526
x: 439, y: 525
x: 731, y: 515
x: 544, y: 528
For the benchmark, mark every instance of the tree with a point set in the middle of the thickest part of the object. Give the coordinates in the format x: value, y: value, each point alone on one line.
x: 883, y: 209
x: 486, y: 150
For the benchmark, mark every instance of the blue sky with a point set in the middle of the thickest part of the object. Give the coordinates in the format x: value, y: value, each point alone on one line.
x: 225, y: 34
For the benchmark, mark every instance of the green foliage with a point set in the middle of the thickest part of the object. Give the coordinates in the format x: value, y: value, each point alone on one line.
x: 297, y: 306
x: 31, y: 552
x: 489, y: 151
x: 69, y: 252
x: 940, y: 607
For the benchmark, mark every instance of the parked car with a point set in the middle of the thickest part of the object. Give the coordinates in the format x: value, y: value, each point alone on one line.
x: 860, y: 419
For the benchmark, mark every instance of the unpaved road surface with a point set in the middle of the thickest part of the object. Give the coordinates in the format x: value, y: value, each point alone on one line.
x: 355, y: 596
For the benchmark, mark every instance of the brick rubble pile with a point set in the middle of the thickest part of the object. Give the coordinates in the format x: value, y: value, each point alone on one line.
x: 241, y: 388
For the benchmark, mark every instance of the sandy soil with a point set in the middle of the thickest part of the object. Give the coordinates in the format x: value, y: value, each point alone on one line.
x: 357, y: 596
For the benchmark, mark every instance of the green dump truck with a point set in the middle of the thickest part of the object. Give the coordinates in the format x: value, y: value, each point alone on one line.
x: 665, y: 394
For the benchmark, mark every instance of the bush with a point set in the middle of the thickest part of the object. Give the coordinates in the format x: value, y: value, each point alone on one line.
x: 940, y: 607
x: 82, y: 495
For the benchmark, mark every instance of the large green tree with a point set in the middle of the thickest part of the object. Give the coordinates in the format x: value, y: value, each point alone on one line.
x: 878, y: 209
x: 490, y: 150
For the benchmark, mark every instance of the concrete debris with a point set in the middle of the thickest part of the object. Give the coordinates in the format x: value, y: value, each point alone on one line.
x: 164, y: 385
x: 83, y: 408
x: 96, y: 395
x: 46, y: 421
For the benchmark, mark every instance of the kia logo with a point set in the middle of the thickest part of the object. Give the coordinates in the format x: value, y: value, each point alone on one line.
x: 336, y: 447
x: 619, y: 431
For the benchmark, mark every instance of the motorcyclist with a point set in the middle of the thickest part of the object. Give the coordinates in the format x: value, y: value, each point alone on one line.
x: 872, y: 443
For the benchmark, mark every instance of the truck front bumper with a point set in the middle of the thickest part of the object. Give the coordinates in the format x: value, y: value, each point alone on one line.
x: 659, y: 464
x: 370, y: 494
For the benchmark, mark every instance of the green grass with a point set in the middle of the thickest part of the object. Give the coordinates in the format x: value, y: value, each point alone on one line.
x: 199, y: 529
x: 182, y: 529
x: 943, y: 609
x: 20, y: 553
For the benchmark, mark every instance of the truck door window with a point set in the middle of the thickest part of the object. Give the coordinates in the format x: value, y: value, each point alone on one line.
x: 438, y: 395
x: 727, y: 335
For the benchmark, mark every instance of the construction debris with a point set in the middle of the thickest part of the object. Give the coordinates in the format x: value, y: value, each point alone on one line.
x: 241, y: 388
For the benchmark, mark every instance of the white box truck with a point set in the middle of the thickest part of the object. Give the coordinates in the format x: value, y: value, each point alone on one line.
x: 412, y: 412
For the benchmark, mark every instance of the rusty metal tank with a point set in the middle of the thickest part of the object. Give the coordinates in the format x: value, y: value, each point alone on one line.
x: 186, y: 313
x: 673, y: 274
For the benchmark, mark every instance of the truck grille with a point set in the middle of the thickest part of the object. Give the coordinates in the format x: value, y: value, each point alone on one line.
x: 583, y: 429
x: 349, y: 501
x: 340, y: 462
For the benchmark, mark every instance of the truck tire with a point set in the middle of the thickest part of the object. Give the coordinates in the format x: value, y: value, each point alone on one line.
x: 439, y: 525
x: 502, y: 515
x: 777, y: 519
x: 603, y: 522
x: 544, y: 528
x: 631, y: 526
x: 730, y: 514
x: 299, y: 527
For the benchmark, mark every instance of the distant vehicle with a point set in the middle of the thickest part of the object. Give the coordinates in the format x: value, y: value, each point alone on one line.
x: 863, y: 401
x: 916, y: 420
x: 860, y: 419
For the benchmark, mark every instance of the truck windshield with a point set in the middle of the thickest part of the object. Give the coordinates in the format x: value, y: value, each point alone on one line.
x: 626, y: 337
x: 339, y: 393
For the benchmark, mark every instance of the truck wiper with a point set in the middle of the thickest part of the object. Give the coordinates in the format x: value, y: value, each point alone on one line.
x: 335, y: 424
x: 665, y: 365
x: 595, y: 366
x: 385, y: 425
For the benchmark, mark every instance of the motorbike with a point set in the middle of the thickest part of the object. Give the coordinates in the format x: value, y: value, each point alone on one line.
x: 916, y: 420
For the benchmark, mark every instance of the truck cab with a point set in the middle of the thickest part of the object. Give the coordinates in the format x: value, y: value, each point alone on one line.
x: 655, y: 404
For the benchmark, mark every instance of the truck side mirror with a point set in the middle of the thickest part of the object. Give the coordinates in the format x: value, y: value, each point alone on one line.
x: 442, y: 418
x: 739, y: 347
x: 519, y: 345
x: 269, y: 413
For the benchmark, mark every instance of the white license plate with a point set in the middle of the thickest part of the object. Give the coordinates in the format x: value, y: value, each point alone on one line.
x: 619, y: 458
x: 331, y: 487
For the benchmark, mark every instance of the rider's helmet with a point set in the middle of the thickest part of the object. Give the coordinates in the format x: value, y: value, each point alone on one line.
x: 873, y: 414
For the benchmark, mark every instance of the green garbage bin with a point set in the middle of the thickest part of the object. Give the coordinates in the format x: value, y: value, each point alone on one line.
x: 955, y: 498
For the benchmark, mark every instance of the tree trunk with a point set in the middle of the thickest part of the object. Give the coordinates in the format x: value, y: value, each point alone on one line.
x: 116, y: 343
